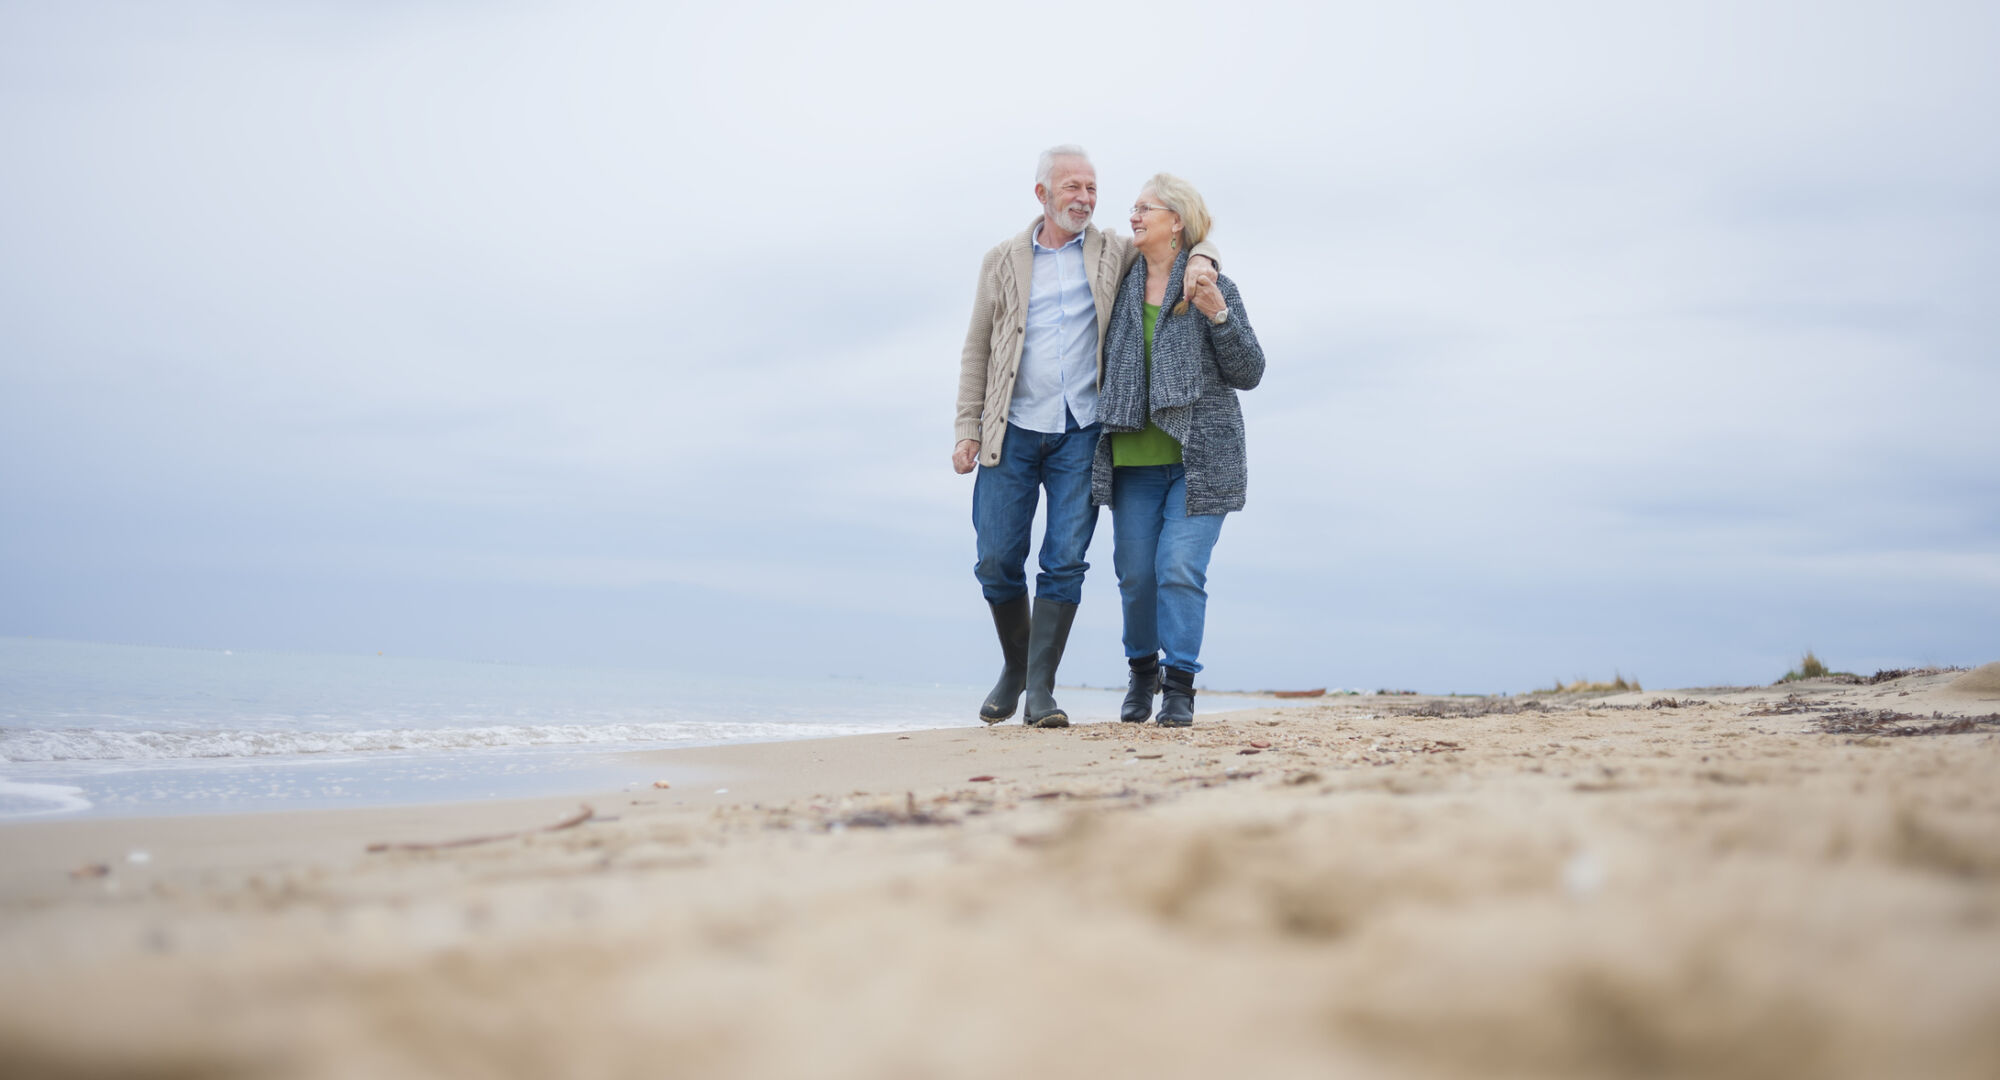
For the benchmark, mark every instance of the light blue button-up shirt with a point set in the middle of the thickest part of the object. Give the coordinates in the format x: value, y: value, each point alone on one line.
x: 1059, y: 350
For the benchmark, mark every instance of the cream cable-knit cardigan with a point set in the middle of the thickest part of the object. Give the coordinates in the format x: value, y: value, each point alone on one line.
x: 992, y: 354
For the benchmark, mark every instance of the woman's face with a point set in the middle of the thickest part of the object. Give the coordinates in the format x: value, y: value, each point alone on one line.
x: 1153, y: 225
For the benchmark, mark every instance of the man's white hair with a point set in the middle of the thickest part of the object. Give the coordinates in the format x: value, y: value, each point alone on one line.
x: 1046, y: 166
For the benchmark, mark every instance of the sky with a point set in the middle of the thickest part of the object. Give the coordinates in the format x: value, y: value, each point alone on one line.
x: 1648, y: 338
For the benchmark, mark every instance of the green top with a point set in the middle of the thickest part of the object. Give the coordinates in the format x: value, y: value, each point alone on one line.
x: 1151, y: 446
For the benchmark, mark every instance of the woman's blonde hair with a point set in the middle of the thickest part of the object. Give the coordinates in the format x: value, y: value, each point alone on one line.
x: 1180, y: 196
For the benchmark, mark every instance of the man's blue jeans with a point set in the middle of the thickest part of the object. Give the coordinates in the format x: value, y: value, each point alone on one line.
x: 1003, y: 514
x: 1161, y: 553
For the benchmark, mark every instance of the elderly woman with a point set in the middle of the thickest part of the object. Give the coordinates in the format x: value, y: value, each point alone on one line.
x: 1172, y: 464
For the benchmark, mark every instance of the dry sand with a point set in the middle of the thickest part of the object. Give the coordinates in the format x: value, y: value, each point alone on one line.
x: 1741, y: 883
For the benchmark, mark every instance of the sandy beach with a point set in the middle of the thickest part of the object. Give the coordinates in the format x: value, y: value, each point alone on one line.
x: 1796, y: 880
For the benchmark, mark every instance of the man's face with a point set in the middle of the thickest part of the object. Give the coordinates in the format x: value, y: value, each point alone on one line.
x: 1071, y: 195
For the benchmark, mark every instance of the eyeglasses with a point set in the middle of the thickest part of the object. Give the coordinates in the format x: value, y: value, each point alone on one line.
x: 1140, y: 209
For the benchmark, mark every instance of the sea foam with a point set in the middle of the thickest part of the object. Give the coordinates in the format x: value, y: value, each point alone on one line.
x: 19, y: 800
x: 86, y: 744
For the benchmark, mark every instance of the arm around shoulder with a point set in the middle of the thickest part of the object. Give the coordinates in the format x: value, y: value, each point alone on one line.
x: 1124, y: 254
x: 1207, y: 251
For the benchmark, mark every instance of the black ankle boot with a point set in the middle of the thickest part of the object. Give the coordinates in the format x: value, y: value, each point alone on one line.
x: 1177, y: 698
x: 1010, y: 619
x: 1048, y: 633
x: 1145, y: 683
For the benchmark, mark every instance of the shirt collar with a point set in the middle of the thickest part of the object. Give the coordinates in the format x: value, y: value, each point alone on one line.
x: 1035, y: 237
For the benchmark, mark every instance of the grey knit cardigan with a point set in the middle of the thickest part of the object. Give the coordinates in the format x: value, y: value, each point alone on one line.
x: 1197, y: 369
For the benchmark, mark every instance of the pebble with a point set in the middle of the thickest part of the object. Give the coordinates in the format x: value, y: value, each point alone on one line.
x: 1583, y: 875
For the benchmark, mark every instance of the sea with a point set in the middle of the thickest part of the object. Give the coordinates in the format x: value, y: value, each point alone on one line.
x: 105, y: 730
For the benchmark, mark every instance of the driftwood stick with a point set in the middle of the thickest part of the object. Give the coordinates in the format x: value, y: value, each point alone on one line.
x: 582, y: 815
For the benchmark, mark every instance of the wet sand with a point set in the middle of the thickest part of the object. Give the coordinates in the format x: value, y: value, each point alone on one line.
x: 1722, y: 882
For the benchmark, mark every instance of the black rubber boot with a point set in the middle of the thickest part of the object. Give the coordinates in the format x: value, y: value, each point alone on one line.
x: 1010, y: 619
x: 1138, y: 706
x: 1048, y: 633
x: 1177, y: 698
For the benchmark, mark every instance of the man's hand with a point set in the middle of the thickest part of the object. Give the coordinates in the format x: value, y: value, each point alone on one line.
x: 964, y: 456
x: 1200, y: 270
x: 1208, y: 298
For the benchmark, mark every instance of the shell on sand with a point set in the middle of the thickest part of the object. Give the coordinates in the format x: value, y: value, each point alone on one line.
x: 1983, y: 681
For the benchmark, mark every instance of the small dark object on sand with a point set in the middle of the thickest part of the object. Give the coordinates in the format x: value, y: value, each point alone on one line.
x: 1889, y: 674
x: 1891, y: 723
x: 1469, y: 708
x: 882, y: 819
x: 582, y: 815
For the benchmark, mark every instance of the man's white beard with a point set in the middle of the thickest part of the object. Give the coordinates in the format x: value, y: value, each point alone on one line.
x: 1075, y: 219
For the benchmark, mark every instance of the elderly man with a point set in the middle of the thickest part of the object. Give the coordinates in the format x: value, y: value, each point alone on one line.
x: 1027, y: 418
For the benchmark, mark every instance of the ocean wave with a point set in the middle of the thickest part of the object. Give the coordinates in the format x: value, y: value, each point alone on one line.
x: 85, y: 744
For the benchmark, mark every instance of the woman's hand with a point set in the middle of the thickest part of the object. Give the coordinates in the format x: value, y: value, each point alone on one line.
x: 1207, y: 296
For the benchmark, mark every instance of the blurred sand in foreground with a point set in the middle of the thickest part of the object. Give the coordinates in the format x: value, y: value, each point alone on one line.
x: 1714, y: 883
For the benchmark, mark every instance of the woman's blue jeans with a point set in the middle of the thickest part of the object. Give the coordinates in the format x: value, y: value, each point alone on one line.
x: 1161, y: 553
x: 1003, y: 514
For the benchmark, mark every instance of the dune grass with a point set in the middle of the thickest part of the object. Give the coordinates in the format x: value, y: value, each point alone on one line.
x: 1811, y: 667
x: 1581, y: 685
